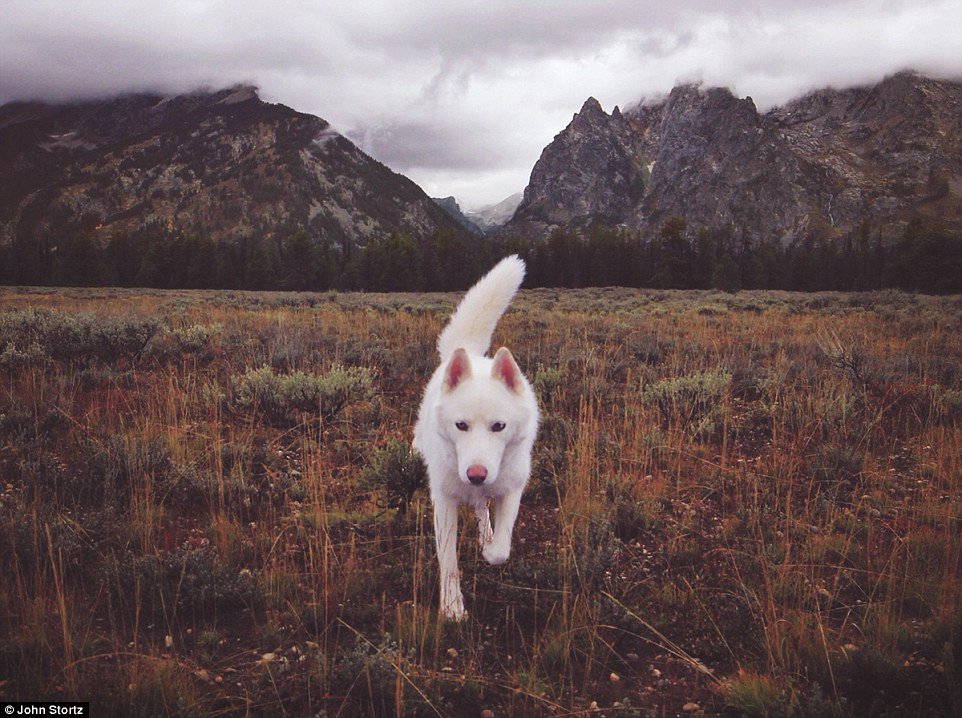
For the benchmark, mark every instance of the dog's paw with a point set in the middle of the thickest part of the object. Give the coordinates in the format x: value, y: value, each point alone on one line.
x: 454, y: 613
x: 495, y: 554
x: 453, y: 609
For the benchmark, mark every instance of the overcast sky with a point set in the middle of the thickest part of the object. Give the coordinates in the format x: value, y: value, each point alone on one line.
x: 462, y: 95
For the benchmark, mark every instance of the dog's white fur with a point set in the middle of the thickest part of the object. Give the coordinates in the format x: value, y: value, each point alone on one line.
x: 478, y: 416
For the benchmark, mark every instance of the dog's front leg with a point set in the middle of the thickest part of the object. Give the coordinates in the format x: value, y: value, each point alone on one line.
x: 485, y: 534
x: 446, y: 536
x: 505, y: 513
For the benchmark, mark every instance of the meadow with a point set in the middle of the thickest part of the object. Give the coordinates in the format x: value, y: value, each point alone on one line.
x: 741, y: 504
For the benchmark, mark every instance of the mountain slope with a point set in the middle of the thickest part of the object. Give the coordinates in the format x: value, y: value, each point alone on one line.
x: 223, y: 164
x: 820, y: 166
x: 451, y: 206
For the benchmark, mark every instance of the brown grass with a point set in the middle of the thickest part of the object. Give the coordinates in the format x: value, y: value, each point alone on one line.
x: 750, y: 502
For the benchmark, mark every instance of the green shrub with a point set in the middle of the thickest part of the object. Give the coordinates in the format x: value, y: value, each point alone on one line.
x: 396, y: 472
x: 190, y: 578
x: 37, y: 333
x: 631, y: 516
x: 693, y: 401
x: 367, y: 674
x: 836, y: 464
x: 197, y: 340
x: 121, y: 462
x: 281, y: 397
x: 758, y: 696
x: 13, y: 357
x: 947, y: 402
x: 546, y: 380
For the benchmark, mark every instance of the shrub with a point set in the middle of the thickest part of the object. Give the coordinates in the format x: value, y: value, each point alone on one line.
x: 74, y: 337
x: 947, y: 402
x: 281, y: 397
x: 546, y: 381
x: 196, y: 340
x: 692, y: 401
x: 397, y: 471
x: 631, y: 515
x: 119, y: 464
x: 13, y: 357
x: 369, y: 671
x: 190, y: 578
x: 836, y: 464
x: 756, y: 695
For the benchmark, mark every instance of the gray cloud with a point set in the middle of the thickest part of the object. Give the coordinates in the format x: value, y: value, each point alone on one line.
x: 462, y: 96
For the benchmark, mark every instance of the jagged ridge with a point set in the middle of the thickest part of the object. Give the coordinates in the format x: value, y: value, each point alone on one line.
x: 820, y: 166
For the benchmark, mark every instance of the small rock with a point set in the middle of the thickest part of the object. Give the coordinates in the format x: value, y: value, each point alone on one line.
x: 487, y: 712
x: 632, y: 656
x: 691, y: 707
x: 168, y: 641
x: 655, y: 673
x: 269, y: 657
x: 593, y: 706
x: 614, y: 677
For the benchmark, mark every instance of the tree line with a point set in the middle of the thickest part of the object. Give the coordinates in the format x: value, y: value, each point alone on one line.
x: 924, y: 258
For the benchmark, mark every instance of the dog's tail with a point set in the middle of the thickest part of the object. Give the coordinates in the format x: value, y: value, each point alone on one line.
x: 478, y: 313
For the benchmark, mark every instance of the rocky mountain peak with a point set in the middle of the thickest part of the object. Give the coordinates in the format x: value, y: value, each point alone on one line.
x: 591, y: 109
x: 818, y: 166
x: 588, y: 170
x: 238, y: 93
x: 590, y: 118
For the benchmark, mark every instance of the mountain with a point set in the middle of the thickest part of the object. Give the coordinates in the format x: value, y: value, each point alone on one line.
x: 453, y: 209
x: 221, y: 164
x: 485, y: 220
x: 492, y: 217
x: 819, y: 166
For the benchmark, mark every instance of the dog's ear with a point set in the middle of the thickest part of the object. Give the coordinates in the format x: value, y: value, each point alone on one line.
x: 457, y: 370
x: 506, y: 370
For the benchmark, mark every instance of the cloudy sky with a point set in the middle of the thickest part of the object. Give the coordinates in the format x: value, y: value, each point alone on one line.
x: 462, y: 95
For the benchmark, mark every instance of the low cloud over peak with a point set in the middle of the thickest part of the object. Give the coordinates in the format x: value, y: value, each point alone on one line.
x: 463, y: 96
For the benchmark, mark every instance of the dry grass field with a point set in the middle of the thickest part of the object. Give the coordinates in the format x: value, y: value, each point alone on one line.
x: 742, y: 504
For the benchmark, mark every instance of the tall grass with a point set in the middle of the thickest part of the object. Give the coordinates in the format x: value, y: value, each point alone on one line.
x: 747, y: 502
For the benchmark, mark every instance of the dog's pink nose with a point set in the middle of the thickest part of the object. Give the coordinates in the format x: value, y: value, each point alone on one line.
x: 477, y: 474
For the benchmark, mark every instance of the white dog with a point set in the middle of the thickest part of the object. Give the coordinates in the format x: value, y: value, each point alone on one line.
x: 475, y: 430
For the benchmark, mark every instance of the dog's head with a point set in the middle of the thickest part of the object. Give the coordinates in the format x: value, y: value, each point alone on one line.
x: 482, y: 412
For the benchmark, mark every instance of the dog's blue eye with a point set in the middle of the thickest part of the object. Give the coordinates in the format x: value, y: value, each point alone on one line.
x: 497, y: 426
x: 462, y: 425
